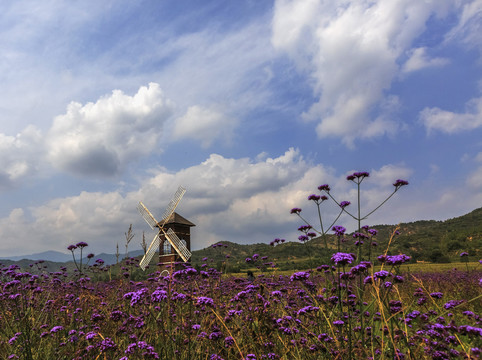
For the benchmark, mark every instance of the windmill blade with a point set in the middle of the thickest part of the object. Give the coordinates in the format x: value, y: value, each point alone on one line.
x: 150, y: 252
x: 146, y: 214
x: 177, y: 244
x: 172, y: 205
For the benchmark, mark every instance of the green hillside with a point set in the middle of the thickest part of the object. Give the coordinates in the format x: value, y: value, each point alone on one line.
x: 425, y: 241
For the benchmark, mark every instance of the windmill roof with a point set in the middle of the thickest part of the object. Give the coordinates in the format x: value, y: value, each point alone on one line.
x: 175, y: 218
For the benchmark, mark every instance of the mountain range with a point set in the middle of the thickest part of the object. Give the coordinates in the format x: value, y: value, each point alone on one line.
x: 60, y: 257
x: 424, y: 240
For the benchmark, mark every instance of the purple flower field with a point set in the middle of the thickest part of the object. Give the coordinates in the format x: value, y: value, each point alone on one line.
x: 358, y: 306
x: 203, y: 315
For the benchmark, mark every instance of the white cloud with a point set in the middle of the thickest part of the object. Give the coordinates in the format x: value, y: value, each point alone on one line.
x: 21, y: 156
x: 470, y: 25
x: 451, y: 122
x: 388, y: 174
x: 350, y: 49
x: 474, y: 180
x: 204, y: 125
x: 230, y: 69
x: 419, y: 60
x: 218, y: 181
x: 231, y: 199
x: 101, y: 138
x: 240, y: 200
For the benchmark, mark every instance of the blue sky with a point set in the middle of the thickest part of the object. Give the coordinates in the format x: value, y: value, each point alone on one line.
x: 250, y: 105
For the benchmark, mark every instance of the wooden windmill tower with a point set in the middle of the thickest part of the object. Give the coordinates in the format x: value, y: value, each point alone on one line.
x: 182, y: 228
x: 171, y: 248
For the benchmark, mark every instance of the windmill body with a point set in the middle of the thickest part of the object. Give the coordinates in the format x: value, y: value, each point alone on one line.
x: 182, y: 228
x: 171, y: 247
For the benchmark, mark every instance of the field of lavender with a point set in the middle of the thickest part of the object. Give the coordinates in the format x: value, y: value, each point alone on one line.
x: 356, y: 306
x: 337, y: 311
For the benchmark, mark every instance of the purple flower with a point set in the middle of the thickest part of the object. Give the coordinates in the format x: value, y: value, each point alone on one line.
x: 382, y: 274
x: 397, y: 259
x: 90, y: 335
x: 158, y: 295
x: 452, y: 303
x: 304, y: 228
x: 295, y: 211
x: 116, y: 315
x: 339, y: 230
x: 203, y: 300
x: 399, y: 183
x: 324, y: 187
x: 135, y: 296
x: 303, y: 238
x: 344, y: 204
x: 56, y: 329
x: 464, y: 253
x: 372, y: 232
x: 302, y: 275
x: 107, y: 344
x: 437, y: 295
x: 90, y: 256
x: 361, y: 267
x: 13, y: 339
x: 314, y: 197
x: 71, y: 247
x: 306, y: 309
x: 359, y: 235
x: 215, y: 357
x: 215, y: 335
x: 81, y: 244
x: 338, y: 322
x: 358, y: 175
x: 342, y: 258
x: 228, y: 342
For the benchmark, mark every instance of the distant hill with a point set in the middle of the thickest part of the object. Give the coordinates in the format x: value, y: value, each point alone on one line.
x: 440, y: 241
x: 55, y: 256
x: 425, y: 240
x: 58, y: 257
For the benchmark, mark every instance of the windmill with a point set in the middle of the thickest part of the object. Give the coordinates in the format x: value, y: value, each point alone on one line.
x: 164, y: 234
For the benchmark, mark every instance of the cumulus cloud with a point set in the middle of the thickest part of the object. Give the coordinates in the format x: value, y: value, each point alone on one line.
x: 204, y: 125
x: 231, y: 199
x: 236, y: 199
x: 350, y: 49
x: 21, y: 156
x: 99, y: 219
x: 101, y: 138
x: 451, y: 122
x: 418, y: 59
x: 216, y: 182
